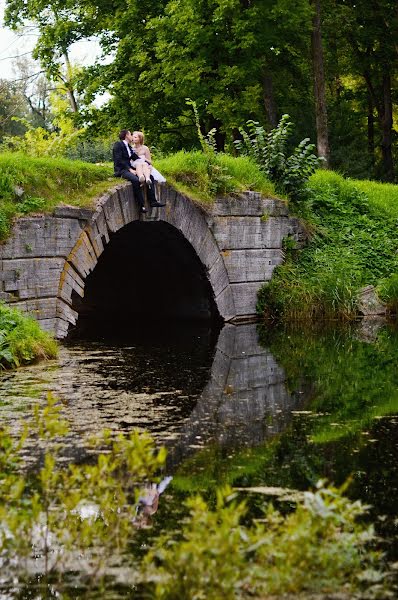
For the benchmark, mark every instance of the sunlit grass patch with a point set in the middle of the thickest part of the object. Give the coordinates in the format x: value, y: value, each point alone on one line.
x: 203, y: 176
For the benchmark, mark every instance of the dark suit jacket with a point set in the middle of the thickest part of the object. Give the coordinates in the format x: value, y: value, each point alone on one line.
x: 121, y: 159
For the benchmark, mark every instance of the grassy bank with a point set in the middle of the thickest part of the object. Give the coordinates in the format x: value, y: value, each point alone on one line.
x: 353, y: 242
x: 22, y: 341
x: 36, y: 185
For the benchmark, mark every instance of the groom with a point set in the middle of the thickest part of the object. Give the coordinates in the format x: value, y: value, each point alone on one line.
x: 122, y: 155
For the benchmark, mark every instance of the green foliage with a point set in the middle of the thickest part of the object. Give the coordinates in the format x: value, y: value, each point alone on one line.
x: 22, y: 341
x: 77, y: 519
x: 203, y: 175
x: 30, y: 184
x: 39, y: 142
x: 74, y: 517
x: 220, y: 557
x: 269, y: 150
x: 90, y: 150
x: 211, y: 559
x: 354, y: 243
x: 388, y: 292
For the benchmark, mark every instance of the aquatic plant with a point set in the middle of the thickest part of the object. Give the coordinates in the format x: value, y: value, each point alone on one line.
x: 68, y: 518
x: 65, y: 525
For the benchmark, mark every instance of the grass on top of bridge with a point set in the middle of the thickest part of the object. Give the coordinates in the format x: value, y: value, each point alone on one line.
x: 36, y: 185
x: 203, y: 176
x: 30, y: 185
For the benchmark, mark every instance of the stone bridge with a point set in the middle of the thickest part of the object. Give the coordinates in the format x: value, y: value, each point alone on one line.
x: 182, y: 260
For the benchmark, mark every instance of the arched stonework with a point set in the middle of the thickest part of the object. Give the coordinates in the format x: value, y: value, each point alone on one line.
x: 48, y: 258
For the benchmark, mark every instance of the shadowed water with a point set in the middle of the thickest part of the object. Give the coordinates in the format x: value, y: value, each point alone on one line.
x: 246, y: 405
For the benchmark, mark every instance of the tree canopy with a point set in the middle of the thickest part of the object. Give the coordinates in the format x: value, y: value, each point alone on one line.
x: 239, y: 60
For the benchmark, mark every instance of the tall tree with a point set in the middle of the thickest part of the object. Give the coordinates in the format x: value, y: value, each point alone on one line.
x: 321, y: 116
x: 371, y: 29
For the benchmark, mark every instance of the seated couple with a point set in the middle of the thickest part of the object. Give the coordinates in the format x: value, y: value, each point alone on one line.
x: 134, y: 164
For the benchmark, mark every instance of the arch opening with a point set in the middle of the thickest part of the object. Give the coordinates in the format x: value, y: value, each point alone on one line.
x: 147, y: 271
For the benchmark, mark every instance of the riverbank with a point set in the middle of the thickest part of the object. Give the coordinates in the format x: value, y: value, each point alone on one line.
x: 22, y: 341
x: 352, y: 243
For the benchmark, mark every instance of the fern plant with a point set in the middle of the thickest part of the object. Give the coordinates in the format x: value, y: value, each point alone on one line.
x: 268, y: 150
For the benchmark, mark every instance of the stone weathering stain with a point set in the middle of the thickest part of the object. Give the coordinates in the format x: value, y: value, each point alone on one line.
x: 47, y: 258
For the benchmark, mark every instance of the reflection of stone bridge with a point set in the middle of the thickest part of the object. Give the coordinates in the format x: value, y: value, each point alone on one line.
x: 245, y: 401
x: 181, y: 260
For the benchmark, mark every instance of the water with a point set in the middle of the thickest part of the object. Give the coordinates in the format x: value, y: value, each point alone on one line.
x: 247, y: 406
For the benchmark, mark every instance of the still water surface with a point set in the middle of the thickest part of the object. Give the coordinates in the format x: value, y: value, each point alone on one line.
x: 246, y: 405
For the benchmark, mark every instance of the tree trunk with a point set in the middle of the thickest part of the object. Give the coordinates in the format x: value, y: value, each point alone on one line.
x: 386, y: 122
x: 319, y: 86
x: 383, y: 104
x: 68, y: 85
x: 269, y: 101
x: 371, y: 130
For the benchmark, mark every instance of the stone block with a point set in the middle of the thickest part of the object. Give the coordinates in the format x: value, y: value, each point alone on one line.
x: 249, y: 204
x: 113, y: 213
x: 83, y: 257
x: 32, y: 278
x: 245, y: 298
x: 128, y: 204
x: 225, y: 304
x: 251, y: 265
x: 218, y: 276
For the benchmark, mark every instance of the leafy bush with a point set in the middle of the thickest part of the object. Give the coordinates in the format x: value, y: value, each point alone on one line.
x: 90, y: 150
x: 72, y: 518
x: 268, y: 150
x: 39, y: 142
x: 319, y: 547
x: 22, y: 341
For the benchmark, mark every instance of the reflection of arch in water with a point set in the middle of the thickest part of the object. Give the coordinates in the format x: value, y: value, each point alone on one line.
x: 245, y: 401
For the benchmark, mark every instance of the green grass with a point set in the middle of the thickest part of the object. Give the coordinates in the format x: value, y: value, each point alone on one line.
x: 22, y: 341
x: 204, y: 176
x: 46, y: 183
x: 353, y: 243
x: 381, y: 195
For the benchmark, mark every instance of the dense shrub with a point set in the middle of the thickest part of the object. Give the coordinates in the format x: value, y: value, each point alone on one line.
x: 319, y: 547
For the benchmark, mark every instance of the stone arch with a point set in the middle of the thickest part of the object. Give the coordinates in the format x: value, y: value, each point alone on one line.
x: 117, y: 209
